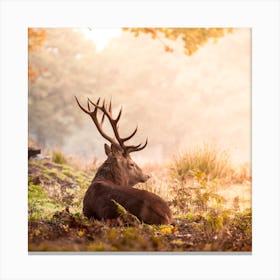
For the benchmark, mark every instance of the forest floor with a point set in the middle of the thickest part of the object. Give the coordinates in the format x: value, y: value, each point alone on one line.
x: 209, y: 215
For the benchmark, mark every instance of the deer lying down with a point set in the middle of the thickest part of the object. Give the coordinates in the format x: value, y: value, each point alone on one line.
x: 116, y: 177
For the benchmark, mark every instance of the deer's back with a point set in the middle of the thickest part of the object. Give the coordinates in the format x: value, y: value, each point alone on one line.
x: 147, y: 206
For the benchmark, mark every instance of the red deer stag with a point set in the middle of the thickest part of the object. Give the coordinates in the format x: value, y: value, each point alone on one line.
x: 116, y: 177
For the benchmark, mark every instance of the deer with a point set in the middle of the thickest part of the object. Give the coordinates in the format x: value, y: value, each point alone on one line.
x: 115, y: 179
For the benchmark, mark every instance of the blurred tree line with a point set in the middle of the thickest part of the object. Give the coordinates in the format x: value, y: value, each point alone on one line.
x: 64, y: 66
x: 139, y: 74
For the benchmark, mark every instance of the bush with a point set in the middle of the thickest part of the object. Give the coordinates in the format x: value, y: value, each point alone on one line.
x: 208, y: 160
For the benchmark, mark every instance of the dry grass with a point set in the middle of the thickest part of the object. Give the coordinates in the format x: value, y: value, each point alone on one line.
x: 211, y: 209
x: 201, y: 176
x: 88, y: 166
x: 210, y: 160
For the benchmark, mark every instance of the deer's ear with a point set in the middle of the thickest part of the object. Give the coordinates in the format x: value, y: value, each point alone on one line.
x: 107, y: 149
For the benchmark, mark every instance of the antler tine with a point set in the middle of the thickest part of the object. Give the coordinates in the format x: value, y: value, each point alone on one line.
x: 94, y: 112
x: 104, y: 107
x: 97, y: 102
x: 144, y: 146
x: 110, y: 107
x: 102, y: 120
x: 137, y: 148
x: 82, y: 108
x: 88, y: 106
x: 133, y: 147
x: 104, y: 104
x: 131, y: 135
x: 119, y: 115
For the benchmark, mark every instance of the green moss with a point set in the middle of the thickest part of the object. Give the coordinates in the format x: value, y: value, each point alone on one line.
x: 67, y: 173
x: 36, y: 192
x: 30, y: 180
x: 82, y: 179
x: 39, y: 204
x: 55, y: 173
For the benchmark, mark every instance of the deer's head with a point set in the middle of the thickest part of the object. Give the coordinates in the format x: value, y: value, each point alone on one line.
x: 119, y: 166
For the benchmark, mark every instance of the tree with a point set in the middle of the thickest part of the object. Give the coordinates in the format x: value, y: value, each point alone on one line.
x: 193, y: 38
x: 36, y: 38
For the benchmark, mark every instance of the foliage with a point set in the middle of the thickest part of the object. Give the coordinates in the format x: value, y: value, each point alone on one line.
x: 36, y: 37
x: 198, y: 196
x: 68, y: 231
x: 201, y: 220
x: 193, y: 38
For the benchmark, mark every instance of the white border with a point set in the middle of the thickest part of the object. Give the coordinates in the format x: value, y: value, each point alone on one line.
x: 262, y: 16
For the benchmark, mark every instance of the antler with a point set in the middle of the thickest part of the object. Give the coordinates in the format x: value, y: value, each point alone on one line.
x: 114, y: 123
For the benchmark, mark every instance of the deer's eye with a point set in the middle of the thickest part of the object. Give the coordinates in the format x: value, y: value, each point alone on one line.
x: 131, y: 165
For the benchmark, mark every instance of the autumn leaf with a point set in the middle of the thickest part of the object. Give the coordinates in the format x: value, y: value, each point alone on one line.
x: 36, y: 232
x: 192, y: 38
x: 166, y: 229
x: 36, y: 38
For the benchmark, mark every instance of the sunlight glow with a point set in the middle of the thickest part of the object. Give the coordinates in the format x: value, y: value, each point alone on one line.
x: 101, y: 37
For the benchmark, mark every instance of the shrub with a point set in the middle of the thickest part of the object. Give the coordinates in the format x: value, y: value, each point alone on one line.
x: 206, y: 160
x: 199, y: 197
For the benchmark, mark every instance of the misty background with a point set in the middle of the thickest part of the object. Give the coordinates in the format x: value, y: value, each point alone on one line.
x: 177, y: 101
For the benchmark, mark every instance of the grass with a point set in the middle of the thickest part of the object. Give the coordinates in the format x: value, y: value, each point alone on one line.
x: 208, y: 160
x: 203, y: 219
x: 40, y: 205
x: 58, y: 157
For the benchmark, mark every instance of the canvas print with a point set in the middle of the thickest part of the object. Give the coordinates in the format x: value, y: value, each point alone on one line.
x: 139, y: 140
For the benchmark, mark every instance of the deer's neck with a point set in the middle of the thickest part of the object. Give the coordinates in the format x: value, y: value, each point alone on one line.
x: 110, y: 172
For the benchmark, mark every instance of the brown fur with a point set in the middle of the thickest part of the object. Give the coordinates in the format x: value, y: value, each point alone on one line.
x: 116, y: 177
x: 114, y: 180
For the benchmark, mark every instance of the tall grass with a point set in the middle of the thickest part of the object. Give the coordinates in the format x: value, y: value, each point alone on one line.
x: 58, y: 157
x: 209, y: 160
